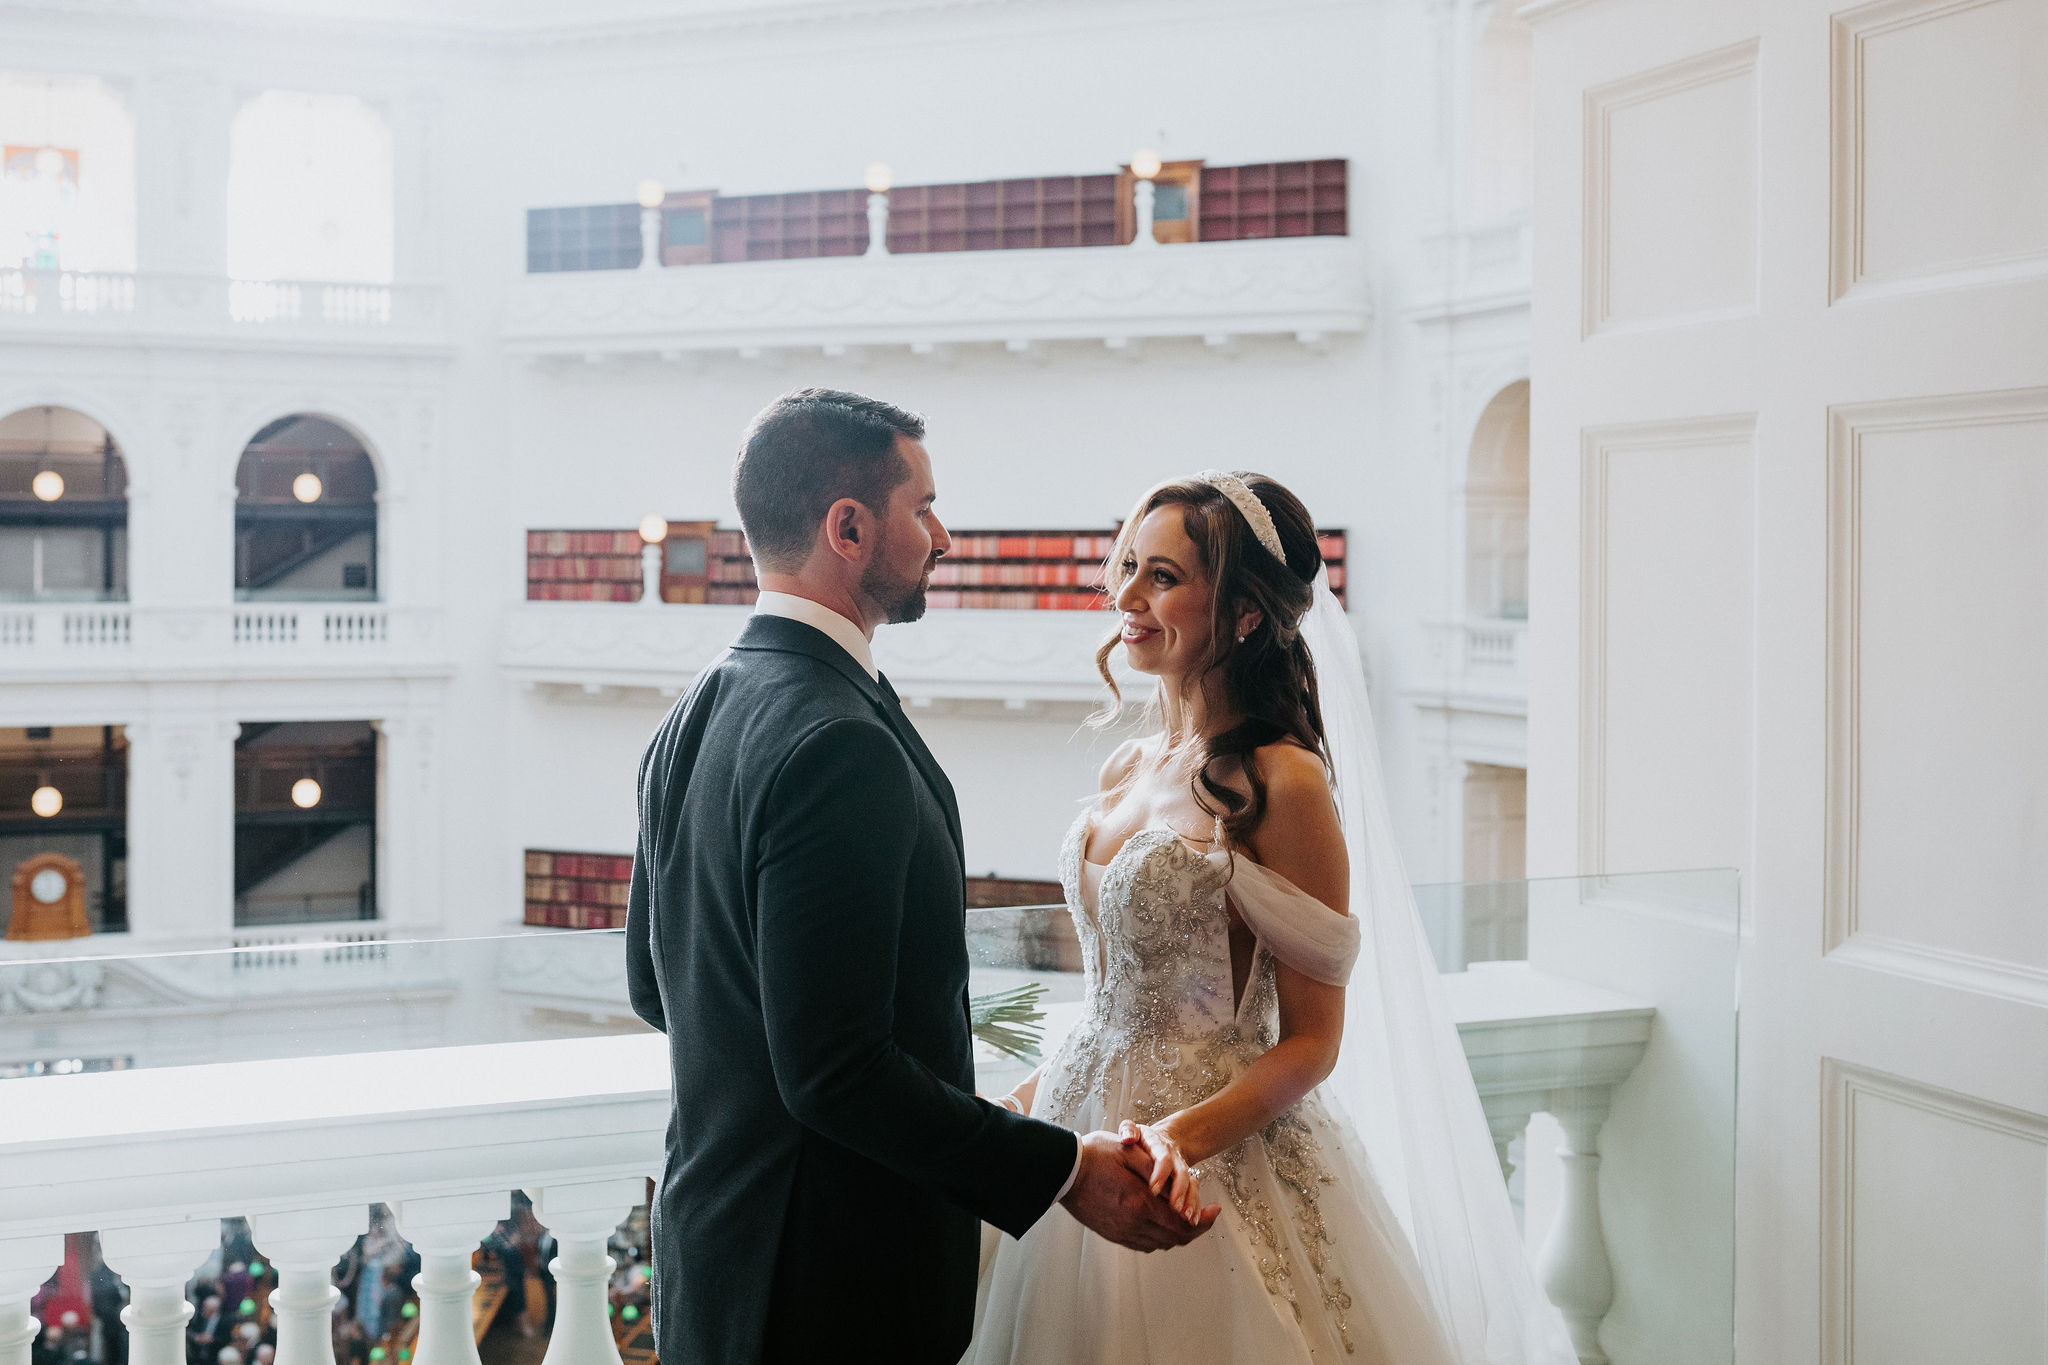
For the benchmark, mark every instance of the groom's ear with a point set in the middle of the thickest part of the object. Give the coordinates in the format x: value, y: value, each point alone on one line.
x: 848, y: 528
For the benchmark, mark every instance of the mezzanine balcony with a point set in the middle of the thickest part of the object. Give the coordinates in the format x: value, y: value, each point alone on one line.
x: 57, y: 642
x: 955, y: 655
x: 1309, y: 289
x: 47, y: 306
x: 436, y: 1076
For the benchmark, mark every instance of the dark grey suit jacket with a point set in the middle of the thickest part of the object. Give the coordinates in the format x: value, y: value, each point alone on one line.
x: 797, y: 927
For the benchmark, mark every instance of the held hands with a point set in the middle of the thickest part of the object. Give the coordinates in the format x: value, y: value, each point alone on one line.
x: 1123, y: 1192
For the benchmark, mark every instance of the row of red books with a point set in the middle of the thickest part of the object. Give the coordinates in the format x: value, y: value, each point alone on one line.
x: 1014, y: 601
x: 973, y: 545
x: 572, y: 890
x: 583, y: 543
x: 576, y: 916
x: 1017, y: 575
x: 583, y: 569
x: 582, y: 592
x: 601, y: 866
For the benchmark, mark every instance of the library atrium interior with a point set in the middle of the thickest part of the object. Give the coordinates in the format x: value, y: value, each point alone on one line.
x: 373, y: 374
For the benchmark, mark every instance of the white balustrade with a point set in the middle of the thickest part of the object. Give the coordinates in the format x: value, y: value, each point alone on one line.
x: 25, y: 1263
x: 445, y: 1230
x: 1573, y: 1266
x: 199, y: 307
x: 304, y: 1244
x: 1304, y: 291
x: 156, y: 1259
x: 583, y: 1217
x: 356, y: 304
x: 1542, y: 1044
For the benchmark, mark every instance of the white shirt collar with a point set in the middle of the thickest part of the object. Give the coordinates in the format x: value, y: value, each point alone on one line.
x: 843, y: 632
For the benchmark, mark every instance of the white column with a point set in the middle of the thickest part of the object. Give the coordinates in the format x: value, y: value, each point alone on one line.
x: 650, y: 575
x: 582, y: 1217
x: 181, y: 828
x: 445, y: 1230
x: 650, y: 239
x: 304, y: 1244
x: 1574, y: 1265
x: 156, y: 1262
x: 1143, y: 197
x: 25, y: 1263
x: 878, y: 224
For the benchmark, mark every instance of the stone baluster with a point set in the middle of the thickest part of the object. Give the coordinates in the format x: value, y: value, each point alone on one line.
x: 156, y: 1261
x: 1506, y: 1125
x: 25, y: 1263
x: 304, y: 1244
x: 445, y: 1230
x: 582, y: 1217
x: 1574, y: 1265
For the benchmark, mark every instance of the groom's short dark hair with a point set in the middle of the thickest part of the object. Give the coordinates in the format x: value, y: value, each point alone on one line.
x: 806, y: 451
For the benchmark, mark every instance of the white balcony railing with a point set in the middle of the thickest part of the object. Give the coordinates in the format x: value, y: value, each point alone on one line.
x: 43, y: 302
x: 1308, y: 288
x: 952, y: 655
x: 436, y: 1076
x: 118, y: 640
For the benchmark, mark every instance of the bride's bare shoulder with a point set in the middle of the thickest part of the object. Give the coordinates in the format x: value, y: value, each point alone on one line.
x: 1297, y: 784
x: 1123, y: 762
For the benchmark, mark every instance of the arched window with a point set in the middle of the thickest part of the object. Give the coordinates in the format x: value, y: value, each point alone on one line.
x: 305, y: 515
x: 309, y: 190
x: 63, y: 509
x: 67, y: 175
x: 1497, y: 509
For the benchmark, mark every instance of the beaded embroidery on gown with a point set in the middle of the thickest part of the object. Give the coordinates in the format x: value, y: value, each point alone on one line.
x: 1307, y: 1261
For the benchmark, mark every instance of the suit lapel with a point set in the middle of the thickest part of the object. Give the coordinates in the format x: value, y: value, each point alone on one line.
x: 794, y: 637
x: 934, y: 775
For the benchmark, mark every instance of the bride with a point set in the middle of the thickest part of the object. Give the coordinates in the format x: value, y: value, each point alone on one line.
x: 1262, y: 1013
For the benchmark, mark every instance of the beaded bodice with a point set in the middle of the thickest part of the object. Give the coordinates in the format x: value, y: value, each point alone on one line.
x: 1155, y: 948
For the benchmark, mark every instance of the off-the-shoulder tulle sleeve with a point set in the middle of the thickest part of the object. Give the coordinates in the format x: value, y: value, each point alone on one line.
x: 1296, y: 928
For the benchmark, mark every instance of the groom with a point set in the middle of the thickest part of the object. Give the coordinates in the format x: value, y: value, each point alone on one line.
x: 797, y: 928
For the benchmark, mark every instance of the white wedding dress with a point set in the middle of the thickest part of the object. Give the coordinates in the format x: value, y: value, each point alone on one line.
x: 1367, y: 1223
x: 1307, y: 1261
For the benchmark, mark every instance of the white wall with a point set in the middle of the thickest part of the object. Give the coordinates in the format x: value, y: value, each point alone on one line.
x: 474, y: 447
x: 1790, y: 387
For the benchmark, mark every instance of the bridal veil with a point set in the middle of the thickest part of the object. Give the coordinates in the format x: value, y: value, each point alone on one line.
x: 1402, y: 1080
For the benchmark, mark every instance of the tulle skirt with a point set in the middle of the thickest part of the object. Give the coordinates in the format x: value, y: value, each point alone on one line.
x: 1281, y: 1277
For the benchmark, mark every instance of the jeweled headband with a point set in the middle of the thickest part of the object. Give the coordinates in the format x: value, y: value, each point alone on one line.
x: 1247, y: 502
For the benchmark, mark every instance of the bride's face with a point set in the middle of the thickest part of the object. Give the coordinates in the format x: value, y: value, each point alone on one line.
x: 1166, y: 598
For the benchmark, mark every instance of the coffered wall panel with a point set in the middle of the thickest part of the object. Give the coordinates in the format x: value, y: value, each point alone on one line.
x: 1940, y: 131
x: 1938, y: 735
x: 1935, y: 1227
x: 1671, y: 193
x: 1666, y: 627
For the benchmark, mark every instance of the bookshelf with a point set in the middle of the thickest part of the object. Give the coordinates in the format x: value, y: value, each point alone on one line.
x: 783, y: 227
x: 583, y: 566
x: 1274, y: 199
x: 1018, y: 570
x: 1005, y: 215
x: 577, y: 890
x: 1197, y: 203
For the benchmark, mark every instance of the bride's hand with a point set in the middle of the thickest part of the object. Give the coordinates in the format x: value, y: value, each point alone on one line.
x: 1172, y: 1177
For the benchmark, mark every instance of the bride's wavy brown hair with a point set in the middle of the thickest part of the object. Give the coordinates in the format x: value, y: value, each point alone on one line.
x: 1269, y: 680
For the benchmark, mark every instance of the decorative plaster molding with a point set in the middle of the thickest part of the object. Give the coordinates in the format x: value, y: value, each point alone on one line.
x: 1842, y: 936
x: 1306, y: 287
x: 1601, y: 103
x: 1844, y: 1086
x: 1848, y: 277
x: 951, y: 655
x: 1597, y: 447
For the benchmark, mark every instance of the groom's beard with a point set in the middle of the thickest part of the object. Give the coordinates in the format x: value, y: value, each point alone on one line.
x: 903, y: 602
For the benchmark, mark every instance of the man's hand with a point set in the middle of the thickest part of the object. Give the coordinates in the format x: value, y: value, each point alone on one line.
x: 1112, y: 1197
